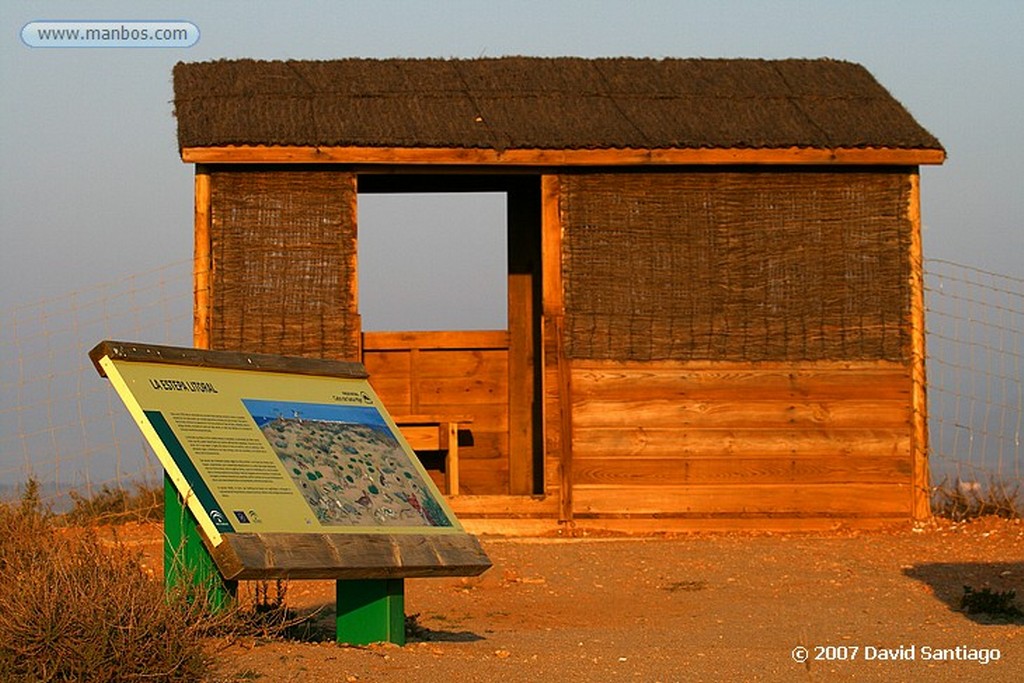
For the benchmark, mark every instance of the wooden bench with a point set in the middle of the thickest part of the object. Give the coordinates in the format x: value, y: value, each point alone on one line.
x: 436, y: 433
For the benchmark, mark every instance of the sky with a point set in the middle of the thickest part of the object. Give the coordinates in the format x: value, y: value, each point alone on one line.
x: 92, y: 189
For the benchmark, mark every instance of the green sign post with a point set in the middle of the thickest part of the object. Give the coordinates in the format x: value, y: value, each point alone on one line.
x: 288, y: 468
x: 187, y: 562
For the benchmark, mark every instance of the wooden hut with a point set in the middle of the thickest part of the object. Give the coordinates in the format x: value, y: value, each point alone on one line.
x: 715, y: 313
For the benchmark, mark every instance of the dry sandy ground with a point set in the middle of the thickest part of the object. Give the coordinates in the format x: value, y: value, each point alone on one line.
x: 687, y: 608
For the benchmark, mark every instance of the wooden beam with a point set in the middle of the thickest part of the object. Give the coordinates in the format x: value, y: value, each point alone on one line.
x: 750, y: 500
x: 460, y: 339
x: 348, y: 556
x: 202, y: 263
x: 260, y: 154
x: 675, y: 381
x: 739, y: 471
x: 643, y: 526
x: 921, y: 489
x: 649, y: 525
x: 781, y: 415
x: 505, y: 507
x: 687, y: 449
x: 228, y: 360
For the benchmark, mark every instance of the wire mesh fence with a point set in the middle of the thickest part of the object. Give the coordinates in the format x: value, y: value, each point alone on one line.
x: 975, y: 337
x: 63, y: 426
x: 60, y: 424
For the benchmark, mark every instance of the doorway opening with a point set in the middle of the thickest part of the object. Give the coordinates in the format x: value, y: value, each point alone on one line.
x: 450, y: 302
x: 433, y: 261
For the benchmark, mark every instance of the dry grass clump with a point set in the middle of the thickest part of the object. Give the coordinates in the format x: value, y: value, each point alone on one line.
x: 71, y: 609
x: 117, y: 505
x: 960, y: 500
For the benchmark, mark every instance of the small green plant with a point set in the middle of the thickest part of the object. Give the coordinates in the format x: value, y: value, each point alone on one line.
x: 962, y: 500
x: 992, y: 603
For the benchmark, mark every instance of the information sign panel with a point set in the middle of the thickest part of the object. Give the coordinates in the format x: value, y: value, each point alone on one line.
x: 256, y: 452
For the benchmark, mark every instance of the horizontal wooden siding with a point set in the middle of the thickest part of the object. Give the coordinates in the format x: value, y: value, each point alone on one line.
x: 450, y: 373
x: 673, y: 439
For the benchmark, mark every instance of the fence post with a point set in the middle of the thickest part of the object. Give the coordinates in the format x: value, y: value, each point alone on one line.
x: 920, y: 482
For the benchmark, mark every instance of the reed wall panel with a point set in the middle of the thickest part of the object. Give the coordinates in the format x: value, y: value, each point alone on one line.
x: 283, y: 247
x: 744, y: 265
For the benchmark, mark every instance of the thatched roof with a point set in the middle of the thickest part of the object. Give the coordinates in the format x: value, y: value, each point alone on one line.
x: 541, y: 103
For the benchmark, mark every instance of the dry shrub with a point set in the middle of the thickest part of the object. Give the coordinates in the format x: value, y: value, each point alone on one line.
x: 73, y: 610
x: 117, y: 505
x: 960, y: 500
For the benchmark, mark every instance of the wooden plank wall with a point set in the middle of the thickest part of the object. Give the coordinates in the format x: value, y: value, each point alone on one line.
x: 453, y: 373
x: 735, y: 440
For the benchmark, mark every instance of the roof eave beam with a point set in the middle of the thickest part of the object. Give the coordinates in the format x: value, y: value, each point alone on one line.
x: 260, y: 154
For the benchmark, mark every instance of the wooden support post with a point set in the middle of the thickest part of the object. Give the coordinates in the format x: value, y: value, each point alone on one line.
x: 565, y: 477
x: 370, y: 611
x: 414, y: 380
x: 450, y: 445
x: 187, y: 562
x: 523, y: 278
x: 353, y: 270
x: 520, y: 383
x: 436, y: 433
x: 202, y: 263
x: 921, y: 485
x: 553, y: 302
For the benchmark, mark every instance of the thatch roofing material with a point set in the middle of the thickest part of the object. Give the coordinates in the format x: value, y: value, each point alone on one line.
x: 541, y: 103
